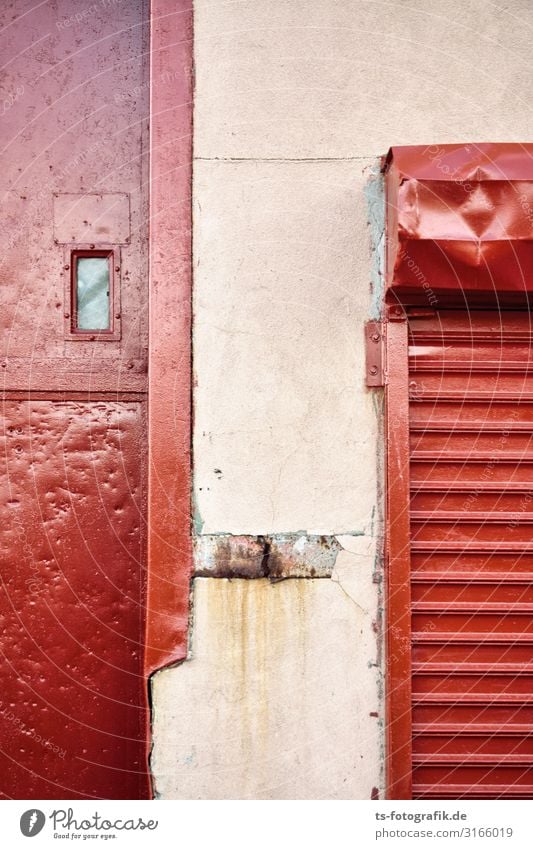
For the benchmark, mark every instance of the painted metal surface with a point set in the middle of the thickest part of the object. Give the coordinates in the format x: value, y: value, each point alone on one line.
x: 471, y: 428
x: 78, y: 128
x: 459, y: 570
x: 398, y: 587
x: 375, y: 353
x: 73, y: 704
x: 169, y: 507
x: 460, y: 224
x: 74, y: 714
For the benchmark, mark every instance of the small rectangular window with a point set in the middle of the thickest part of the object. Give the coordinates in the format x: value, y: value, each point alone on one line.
x: 93, y: 279
x: 92, y: 287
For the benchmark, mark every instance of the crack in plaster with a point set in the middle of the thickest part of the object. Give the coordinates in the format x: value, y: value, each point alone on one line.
x: 337, y: 580
x: 360, y: 548
x: 284, y: 159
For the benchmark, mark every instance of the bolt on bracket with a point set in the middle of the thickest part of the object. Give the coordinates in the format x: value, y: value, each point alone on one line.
x: 375, y: 353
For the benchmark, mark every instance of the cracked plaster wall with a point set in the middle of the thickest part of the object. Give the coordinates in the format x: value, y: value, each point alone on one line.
x: 278, y: 700
x: 281, y: 695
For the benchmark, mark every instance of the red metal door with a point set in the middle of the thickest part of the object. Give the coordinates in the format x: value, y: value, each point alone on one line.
x: 74, y: 272
x: 460, y: 581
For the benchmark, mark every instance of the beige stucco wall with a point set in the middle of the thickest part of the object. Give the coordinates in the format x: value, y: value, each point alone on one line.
x: 295, y: 101
x: 290, y: 79
x: 275, y: 701
x: 281, y: 294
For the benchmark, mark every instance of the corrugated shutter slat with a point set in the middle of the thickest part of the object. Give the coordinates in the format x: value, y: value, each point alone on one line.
x: 471, y: 466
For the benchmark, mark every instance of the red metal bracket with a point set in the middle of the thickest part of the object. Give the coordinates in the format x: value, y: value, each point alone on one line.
x: 395, y: 312
x: 375, y: 353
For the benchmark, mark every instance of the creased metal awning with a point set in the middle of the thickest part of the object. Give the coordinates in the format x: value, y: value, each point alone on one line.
x: 460, y: 225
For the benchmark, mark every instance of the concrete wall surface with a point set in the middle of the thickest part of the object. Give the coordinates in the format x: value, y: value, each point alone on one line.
x: 296, y: 100
x: 274, y: 703
x: 292, y: 79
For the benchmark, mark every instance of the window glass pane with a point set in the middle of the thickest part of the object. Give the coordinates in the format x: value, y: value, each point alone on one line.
x: 92, y: 293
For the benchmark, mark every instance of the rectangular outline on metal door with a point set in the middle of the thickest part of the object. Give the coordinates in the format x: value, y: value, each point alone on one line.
x: 398, y: 568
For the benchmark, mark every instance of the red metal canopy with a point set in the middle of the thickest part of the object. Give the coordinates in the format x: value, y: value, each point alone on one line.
x: 460, y: 225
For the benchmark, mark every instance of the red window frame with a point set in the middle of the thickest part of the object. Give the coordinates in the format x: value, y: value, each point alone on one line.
x: 77, y: 334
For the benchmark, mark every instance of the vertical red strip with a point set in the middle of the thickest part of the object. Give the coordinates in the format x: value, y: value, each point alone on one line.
x: 399, y: 724
x: 169, y: 427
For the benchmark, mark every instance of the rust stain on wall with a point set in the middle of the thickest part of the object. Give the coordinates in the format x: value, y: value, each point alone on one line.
x: 276, y: 557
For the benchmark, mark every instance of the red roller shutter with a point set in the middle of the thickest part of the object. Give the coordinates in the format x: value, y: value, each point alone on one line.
x: 459, y: 428
x: 471, y: 514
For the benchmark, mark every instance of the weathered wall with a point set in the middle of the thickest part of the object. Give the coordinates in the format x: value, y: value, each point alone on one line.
x: 274, y: 699
x: 295, y: 101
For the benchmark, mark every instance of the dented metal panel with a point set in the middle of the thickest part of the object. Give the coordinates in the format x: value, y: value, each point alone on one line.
x: 460, y: 225
x: 73, y: 707
x: 73, y: 718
